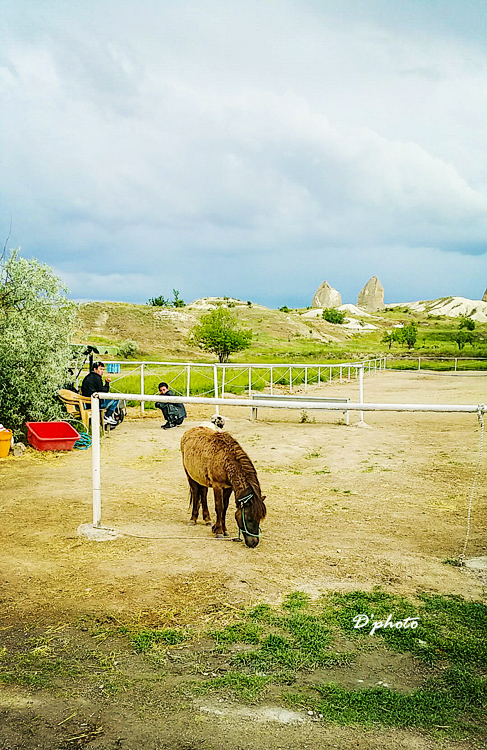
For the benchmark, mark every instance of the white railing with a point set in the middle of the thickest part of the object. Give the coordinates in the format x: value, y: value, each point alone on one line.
x: 478, y: 409
x: 219, y: 377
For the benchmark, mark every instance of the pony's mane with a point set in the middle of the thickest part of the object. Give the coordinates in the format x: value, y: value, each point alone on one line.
x: 247, y: 468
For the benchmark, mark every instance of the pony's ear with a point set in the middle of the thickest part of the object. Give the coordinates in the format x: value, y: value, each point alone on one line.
x: 263, y: 498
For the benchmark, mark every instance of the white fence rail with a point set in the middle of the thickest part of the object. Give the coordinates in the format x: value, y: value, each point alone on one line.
x: 479, y: 409
x: 220, y: 378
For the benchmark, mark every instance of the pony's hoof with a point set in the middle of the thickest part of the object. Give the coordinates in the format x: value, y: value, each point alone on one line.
x: 192, y: 523
x: 208, y: 522
x: 219, y: 536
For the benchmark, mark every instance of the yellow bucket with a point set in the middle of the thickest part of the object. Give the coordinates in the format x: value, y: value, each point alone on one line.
x: 5, y: 440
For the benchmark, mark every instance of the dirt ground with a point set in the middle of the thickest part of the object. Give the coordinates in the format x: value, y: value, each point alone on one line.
x: 348, y: 508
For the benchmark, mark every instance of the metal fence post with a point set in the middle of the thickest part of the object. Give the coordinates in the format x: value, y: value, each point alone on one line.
x: 291, y: 379
x: 142, y: 388
x: 361, y: 390
x: 223, y: 381
x: 272, y: 370
x: 215, y: 385
x: 305, y: 378
x: 188, y: 377
x: 95, y: 459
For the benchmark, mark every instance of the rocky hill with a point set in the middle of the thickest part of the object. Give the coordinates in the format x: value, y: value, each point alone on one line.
x: 164, y: 332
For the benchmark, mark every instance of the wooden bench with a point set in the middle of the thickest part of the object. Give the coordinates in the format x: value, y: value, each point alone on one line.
x: 303, y: 399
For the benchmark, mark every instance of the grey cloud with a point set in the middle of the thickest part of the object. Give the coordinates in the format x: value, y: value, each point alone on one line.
x: 238, y: 133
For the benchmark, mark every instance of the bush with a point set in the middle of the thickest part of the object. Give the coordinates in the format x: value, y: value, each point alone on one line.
x: 127, y: 349
x: 333, y: 316
x: 36, y: 326
x: 218, y: 332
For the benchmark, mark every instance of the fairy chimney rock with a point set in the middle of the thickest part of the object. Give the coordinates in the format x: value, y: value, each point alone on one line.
x: 372, y: 295
x: 326, y: 296
x: 484, y: 298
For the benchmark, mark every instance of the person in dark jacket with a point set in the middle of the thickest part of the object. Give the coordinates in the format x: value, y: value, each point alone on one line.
x: 93, y: 383
x: 174, y: 414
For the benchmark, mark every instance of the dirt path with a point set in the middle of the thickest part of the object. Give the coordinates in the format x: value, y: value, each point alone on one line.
x: 348, y: 508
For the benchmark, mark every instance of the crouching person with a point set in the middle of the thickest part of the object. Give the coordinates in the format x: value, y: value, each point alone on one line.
x: 174, y: 414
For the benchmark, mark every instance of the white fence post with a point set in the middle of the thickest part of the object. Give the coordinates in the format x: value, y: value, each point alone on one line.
x: 330, y: 373
x: 215, y: 386
x: 223, y: 381
x: 291, y: 379
x: 361, y: 390
x: 341, y: 373
x: 272, y: 370
x: 188, y: 378
x: 95, y: 459
x: 305, y: 378
x: 419, y: 363
x: 455, y: 364
x: 142, y: 388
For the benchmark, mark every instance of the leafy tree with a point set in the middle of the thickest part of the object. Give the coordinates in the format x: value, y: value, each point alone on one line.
x: 388, y: 337
x: 333, y: 316
x: 159, y: 301
x: 36, y: 326
x: 218, y: 332
x: 407, y: 335
x: 467, y: 323
x: 177, y: 302
x: 284, y: 309
x: 127, y: 349
x: 463, y: 337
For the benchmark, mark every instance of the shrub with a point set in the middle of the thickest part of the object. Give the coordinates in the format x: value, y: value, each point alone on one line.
x: 127, y: 349
x: 36, y: 326
x: 333, y: 316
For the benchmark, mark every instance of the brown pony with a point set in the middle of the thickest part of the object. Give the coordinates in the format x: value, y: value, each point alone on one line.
x: 215, y: 459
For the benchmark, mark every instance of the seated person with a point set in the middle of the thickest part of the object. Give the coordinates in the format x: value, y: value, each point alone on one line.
x: 93, y: 383
x: 174, y: 414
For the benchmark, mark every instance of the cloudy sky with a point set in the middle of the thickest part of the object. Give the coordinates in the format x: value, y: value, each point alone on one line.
x: 249, y: 148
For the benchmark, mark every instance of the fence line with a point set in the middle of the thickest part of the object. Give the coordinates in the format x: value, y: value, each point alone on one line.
x: 295, y: 373
x: 479, y: 409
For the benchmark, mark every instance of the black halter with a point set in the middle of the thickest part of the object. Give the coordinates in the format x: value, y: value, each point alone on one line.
x: 241, y: 502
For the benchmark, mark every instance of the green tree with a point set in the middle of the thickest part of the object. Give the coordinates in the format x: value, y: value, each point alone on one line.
x: 388, y: 337
x: 466, y: 322
x: 462, y: 337
x: 159, y: 301
x: 333, y: 316
x: 218, y: 332
x: 37, y: 323
x: 407, y: 335
x: 177, y: 302
x: 127, y: 349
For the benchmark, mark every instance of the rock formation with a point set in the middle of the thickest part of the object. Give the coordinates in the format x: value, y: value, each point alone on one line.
x: 484, y: 298
x: 372, y: 295
x: 326, y: 296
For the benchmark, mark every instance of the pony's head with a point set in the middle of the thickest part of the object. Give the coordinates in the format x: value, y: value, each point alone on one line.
x: 250, y: 512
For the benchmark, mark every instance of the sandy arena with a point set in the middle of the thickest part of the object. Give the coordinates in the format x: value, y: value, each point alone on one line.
x: 347, y: 508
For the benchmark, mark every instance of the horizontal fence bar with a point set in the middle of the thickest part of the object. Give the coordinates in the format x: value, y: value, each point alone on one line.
x: 262, y: 403
x: 245, y: 365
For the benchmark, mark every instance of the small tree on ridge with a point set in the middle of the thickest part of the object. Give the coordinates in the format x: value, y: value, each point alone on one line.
x: 218, y: 332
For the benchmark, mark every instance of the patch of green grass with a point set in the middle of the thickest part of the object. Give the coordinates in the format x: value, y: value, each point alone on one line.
x: 241, y: 632
x: 246, y: 687
x: 296, y: 600
x: 145, y: 639
x: 452, y: 561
